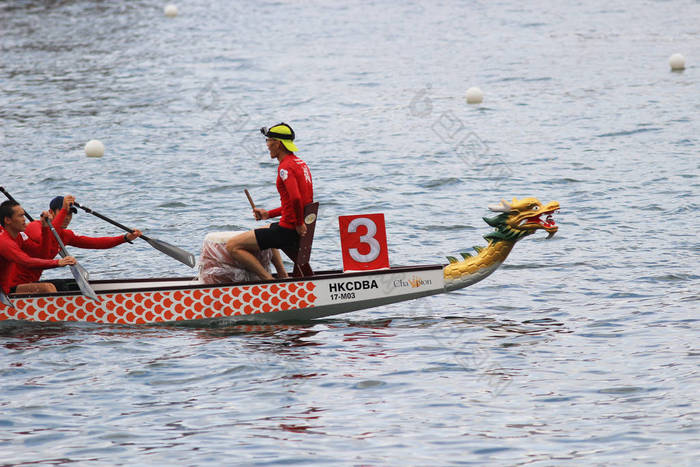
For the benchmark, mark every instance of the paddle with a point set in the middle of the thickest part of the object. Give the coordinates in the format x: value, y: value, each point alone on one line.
x: 170, y: 250
x: 79, y: 273
x: 5, y: 300
x: 75, y: 269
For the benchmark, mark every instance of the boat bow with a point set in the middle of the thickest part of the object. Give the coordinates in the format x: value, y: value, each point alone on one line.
x: 515, y: 220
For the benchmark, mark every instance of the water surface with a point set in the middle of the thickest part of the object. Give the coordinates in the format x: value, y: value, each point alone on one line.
x: 580, y: 350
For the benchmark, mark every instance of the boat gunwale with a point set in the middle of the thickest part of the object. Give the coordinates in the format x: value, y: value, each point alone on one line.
x: 331, y: 274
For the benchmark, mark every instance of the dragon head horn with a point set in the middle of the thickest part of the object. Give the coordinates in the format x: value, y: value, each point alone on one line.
x: 503, y: 207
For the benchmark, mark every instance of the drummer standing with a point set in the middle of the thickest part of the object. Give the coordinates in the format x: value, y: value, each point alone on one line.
x: 296, y: 191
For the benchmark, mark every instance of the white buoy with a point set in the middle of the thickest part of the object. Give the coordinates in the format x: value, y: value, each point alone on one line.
x: 170, y: 11
x: 677, y: 62
x: 94, y: 148
x: 474, y: 96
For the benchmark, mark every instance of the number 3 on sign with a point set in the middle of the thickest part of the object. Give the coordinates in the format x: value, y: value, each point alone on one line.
x: 363, y: 241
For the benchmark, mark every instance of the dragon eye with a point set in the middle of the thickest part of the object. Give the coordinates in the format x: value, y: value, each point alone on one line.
x: 535, y: 207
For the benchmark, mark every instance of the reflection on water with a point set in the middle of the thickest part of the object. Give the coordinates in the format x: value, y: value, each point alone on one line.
x: 30, y: 332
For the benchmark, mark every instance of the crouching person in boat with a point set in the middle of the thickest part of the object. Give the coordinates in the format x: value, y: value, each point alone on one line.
x: 17, y: 250
x: 296, y: 191
x: 62, y: 210
x: 216, y: 266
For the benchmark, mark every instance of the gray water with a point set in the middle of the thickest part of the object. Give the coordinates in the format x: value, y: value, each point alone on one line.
x: 580, y: 350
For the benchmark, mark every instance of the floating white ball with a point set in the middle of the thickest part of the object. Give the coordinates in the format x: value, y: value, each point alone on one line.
x: 474, y: 96
x: 94, y: 148
x: 170, y: 11
x: 677, y: 62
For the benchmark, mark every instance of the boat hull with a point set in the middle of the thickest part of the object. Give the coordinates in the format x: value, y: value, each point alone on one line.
x: 144, y: 301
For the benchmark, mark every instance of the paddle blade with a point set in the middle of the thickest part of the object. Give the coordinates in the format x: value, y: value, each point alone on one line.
x: 83, y: 272
x: 82, y: 283
x: 172, y: 251
x: 5, y: 300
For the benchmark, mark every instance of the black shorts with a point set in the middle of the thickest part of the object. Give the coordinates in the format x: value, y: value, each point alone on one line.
x: 276, y: 237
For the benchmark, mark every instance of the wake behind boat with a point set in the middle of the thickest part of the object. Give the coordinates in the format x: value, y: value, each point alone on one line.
x: 321, y: 294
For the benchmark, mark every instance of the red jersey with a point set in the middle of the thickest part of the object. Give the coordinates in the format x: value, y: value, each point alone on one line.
x: 26, y: 275
x: 296, y: 191
x: 13, y: 253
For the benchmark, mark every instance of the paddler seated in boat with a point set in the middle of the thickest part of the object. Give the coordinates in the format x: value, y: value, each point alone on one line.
x: 17, y: 250
x: 296, y: 191
x: 61, y: 209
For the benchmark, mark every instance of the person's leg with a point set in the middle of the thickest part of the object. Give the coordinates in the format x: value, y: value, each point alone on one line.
x: 35, y: 287
x: 277, y: 260
x: 242, y: 248
x: 279, y: 265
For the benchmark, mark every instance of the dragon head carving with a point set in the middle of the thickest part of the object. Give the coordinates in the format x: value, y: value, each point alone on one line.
x: 520, y: 218
x: 515, y: 220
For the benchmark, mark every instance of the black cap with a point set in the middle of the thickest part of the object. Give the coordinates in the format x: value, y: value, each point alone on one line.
x: 57, y: 203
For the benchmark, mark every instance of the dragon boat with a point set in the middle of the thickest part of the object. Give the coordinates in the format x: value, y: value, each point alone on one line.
x: 321, y: 294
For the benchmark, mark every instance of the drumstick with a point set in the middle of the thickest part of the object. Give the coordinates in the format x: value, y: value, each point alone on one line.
x: 252, y: 204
